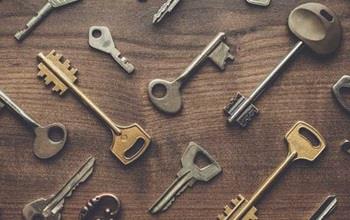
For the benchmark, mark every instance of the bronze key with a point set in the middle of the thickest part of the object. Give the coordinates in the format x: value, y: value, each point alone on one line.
x: 300, y: 148
x: 58, y: 71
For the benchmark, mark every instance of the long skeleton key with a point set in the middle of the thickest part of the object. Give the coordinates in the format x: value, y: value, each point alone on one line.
x: 44, y: 146
x: 50, y: 208
x: 101, y: 39
x: 171, y: 102
x: 317, y: 27
x: 300, y: 148
x: 264, y: 3
x: 187, y: 176
x: 48, y: 7
x: 126, y: 139
x: 166, y: 8
x: 325, y: 209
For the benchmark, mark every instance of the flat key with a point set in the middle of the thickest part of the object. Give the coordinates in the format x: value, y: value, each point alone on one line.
x: 44, y: 11
x: 50, y: 208
x: 171, y: 101
x: 187, y: 176
x: 101, y: 39
x: 44, y: 146
x: 263, y: 3
x: 317, y: 27
x: 166, y: 8
x: 326, y: 208
x: 304, y: 143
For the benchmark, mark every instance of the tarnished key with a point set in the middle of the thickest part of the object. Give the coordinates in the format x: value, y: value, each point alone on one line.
x: 171, y: 101
x: 50, y: 208
x: 325, y: 209
x: 187, y: 176
x: 129, y: 142
x: 317, y: 27
x: 45, y: 145
x: 264, y: 3
x: 166, y: 8
x: 304, y: 143
x: 101, y: 39
x: 48, y: 7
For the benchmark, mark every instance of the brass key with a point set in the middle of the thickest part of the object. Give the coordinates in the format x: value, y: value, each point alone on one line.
x: 58, y: 71
x: 300, y: 148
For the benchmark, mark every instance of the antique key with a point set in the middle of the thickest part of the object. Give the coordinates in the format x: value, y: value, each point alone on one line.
x: 217, y: 50
x: 44, y: 146
x: 264, y: 3
x: 48, y: 7
x: 187, y: 176
x: 300, y: 148
x: 50, y: 208
x: 166, y: 8
x: 126, y: 139
x: 326, y: 208
x: 101, y: 39
x: 317, y: 27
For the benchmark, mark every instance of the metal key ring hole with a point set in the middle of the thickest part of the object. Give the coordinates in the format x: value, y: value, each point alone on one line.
x: 159, y: 90
x: 202, y: 161
x: 310, y: 137
x: 56, y: 133
x: 326, y: 15
x: 135, y: 149
x: 96, y: 33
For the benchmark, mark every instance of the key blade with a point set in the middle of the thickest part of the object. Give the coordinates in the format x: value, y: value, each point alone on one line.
x: 59, y: 3
x: 166, y: 8
x: 122, y: 61
x: 326, y: 208
x: 220, y: 55
x: 234, y: 207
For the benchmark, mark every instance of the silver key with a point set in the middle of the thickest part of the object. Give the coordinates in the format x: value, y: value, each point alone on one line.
x: 44, y: 11
x: 171, y: 101
x: 101, y: 39
x: 325, y: 209
x: 187, y: 176
x: 44, y: 146
x: 264, y: 3
x: 50, y: 208
x: 166, y: 8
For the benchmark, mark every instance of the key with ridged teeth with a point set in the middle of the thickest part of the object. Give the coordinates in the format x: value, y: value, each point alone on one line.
x: 304, y: 143
x: 129, y: 142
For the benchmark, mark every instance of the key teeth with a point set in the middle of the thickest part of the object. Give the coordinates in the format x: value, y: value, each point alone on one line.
x: 235, y: 205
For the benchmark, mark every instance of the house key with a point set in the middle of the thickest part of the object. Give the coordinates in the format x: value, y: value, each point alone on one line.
x: 44, y: 146
x: 170, y: 102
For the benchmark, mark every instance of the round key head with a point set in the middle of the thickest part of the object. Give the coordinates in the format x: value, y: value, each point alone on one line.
x: 317, y: 26
x: 101, y: 39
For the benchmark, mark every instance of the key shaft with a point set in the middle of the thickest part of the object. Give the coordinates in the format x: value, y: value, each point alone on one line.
x: 166, y: 8
x: 122, y: 61
x: 326, y: 208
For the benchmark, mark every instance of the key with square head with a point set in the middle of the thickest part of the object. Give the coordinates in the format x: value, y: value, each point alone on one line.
x: 326, y: 208
x: 101, y: 39
x: 187, y: 176
x: 129, y: 142
x: 50, y: 208
x: 45, y: 145
x: 44, y: 11
x: 166, y: 8
x: 171, y: 101
x: 318, y: 28
x: 264, y: 3
x: 304, y: 143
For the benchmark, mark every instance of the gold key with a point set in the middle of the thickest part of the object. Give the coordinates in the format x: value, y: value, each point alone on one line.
x: 304, y: 143
x: 126, y: 139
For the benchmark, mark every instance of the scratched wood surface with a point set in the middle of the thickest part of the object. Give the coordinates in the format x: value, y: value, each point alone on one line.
x: 259, y: 39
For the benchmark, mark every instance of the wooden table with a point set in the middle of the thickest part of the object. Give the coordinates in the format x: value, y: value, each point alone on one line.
x: 259, y: 39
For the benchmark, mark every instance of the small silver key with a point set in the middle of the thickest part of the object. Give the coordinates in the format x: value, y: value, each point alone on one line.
x: 264, y: 3
x: 166, y: 8
x: 171, y: 101
x: 326, y: 208
x: 50, y: 208
x: 187, y: 176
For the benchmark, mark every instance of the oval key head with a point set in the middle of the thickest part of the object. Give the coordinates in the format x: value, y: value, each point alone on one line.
x: 49, y: 140
x: 169, y: 98
x: 100, y: 38
x: 338, y: 89
x: 306, y: 141
x: 317, y: 26
x: 34, y: 210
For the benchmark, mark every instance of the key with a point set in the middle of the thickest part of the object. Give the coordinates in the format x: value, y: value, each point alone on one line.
x: 171, y: 101
x: 45, y: 145
x: 338, y: 90
x: 264, y: 3
x: 300, y: 148
x: 166, y: 8
x: 129, y: 142
x: 48, y: 7
x: 345, y: 145
x: 51, y: 207
x: 325, y: 209
x: 187, y: 176
x: 101, y: 39
x: 318, y: 28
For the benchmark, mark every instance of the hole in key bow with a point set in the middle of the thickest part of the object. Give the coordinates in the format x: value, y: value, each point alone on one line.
x: 159, y: 90
x: 56, y: 134
x: 202, y: 160
x: 309, y: 136
x: 326, y: 15
x: 96, y: 33
x: 135, y: 149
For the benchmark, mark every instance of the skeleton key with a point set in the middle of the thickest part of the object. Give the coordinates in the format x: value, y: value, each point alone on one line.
x: 300, y: 148
x: 171, y: 102
x: 101, y: 39
x: 187, y: 176
x: 48, y: 7
x: 126, y: 139
x: 326, y: 208
x: 166, y: 8
x: 264, y: 3
x: 44, y: 146
x: 50, y: 208
x: 317, y: 27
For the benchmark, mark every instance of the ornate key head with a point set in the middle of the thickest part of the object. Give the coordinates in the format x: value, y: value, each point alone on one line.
x: 338, y: 88
x: 234, y: 207
x: 102, y: 207
x: 35, y: 209
x: 305, y: 141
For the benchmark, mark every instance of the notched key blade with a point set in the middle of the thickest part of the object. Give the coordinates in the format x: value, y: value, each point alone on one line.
x: 166, y: 8
x: 59, y: 3
x: 234, y: 207
x: 220, y: 55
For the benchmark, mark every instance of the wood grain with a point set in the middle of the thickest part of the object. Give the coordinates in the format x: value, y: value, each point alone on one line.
x: 259, y: 38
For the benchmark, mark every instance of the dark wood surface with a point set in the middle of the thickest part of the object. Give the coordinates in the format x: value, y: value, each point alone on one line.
x: 259, y: 39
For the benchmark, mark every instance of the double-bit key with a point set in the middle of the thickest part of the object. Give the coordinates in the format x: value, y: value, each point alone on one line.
x: 171, y: 101
x: 46, y: 145
x: 317, y: 27
x: 129, y: 142
x: 187, y: 176
x: 304, y: 143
